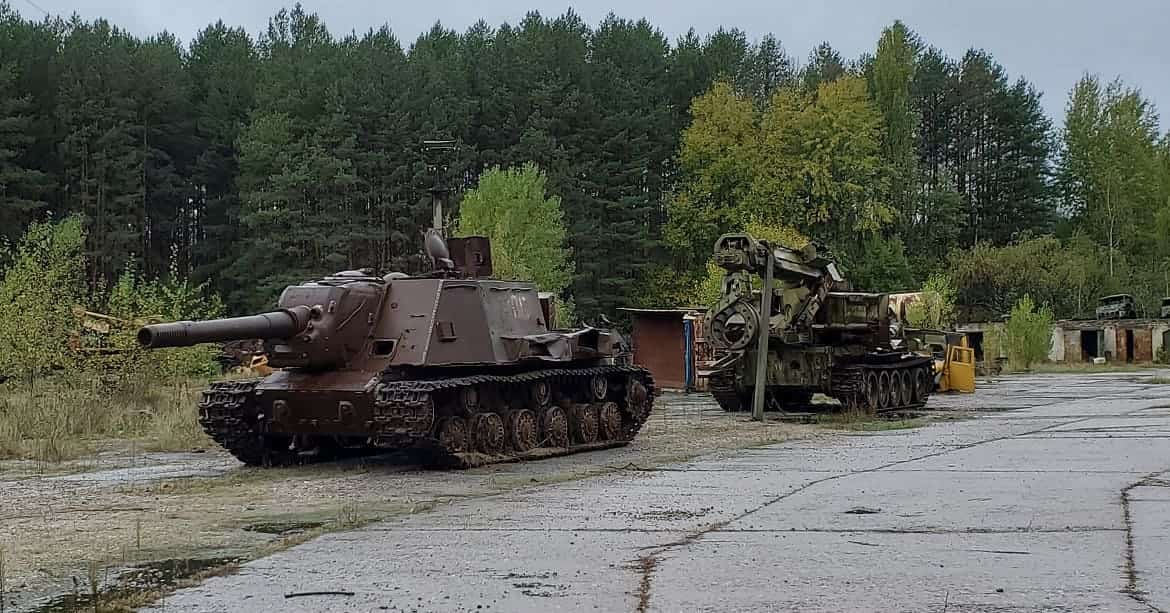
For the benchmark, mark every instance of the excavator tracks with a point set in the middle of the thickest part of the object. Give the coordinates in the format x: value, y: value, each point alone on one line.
x: 885, y: 388
x: 872, y: 388
x: 459, y: 422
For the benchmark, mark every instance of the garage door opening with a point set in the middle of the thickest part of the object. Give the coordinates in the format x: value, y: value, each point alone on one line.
x: 1129, y: 345
x: 1089, y: 347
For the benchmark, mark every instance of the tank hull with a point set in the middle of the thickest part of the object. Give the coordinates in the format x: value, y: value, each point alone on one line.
x: 456, y: 417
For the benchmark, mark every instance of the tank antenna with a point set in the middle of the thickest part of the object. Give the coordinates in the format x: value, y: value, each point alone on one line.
x: 436, y: 153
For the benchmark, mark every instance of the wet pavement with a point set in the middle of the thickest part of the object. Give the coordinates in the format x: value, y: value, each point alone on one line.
x: 1053, y: 496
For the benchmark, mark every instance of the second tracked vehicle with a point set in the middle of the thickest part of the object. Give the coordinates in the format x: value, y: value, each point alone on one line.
x: 821, y: 337
x: 452, y: 362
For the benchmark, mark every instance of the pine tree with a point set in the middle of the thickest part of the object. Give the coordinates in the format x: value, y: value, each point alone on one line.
x: 383, y: 234
x: 893, y: 73
x: 166, y: 151
x: 824, y: 66
x: 101, y: 151
x: 634, y: 147
x: 21, y: 187
x: 285, y: 206
x: 222, y: 67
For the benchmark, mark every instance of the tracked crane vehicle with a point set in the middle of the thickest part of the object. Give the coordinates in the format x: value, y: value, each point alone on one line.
x: 821, y: 337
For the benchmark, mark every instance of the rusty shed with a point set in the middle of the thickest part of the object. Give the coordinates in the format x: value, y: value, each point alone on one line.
x: 1116, y: 340
x: 670, y: 343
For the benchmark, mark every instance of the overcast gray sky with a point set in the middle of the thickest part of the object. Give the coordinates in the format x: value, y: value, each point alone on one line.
x: 1050, y: 42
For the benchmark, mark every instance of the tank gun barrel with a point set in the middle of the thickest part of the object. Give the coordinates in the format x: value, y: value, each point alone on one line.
x: 276, y: 324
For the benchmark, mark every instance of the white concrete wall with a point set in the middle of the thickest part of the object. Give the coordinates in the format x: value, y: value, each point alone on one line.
x: 1056, y: 351
x: 1110, y: 349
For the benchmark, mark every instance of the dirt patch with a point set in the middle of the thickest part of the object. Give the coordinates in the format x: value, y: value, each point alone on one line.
x: 126, y: 507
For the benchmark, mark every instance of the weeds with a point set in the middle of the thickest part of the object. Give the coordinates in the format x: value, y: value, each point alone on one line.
x: 857, y: 420
x: 879, y: 425
x: 1159, y: 380
x: 53, y: 420
x: 348, y: 516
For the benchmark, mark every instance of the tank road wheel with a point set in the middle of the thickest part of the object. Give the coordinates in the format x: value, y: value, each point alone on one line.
x: 598, y: 387
x: 554, y: 427
x: 489, y: 433
x: 453, y: 434
x: 610, y: 421
x: 906, y: 385
x: 923, y: 384
x: 873, y: 397
x: 896, y: 397
x: 884, y: 391
x: 523, y: 433
x: 541, y: 394
x: 638, y: 401
x: 585, y: 418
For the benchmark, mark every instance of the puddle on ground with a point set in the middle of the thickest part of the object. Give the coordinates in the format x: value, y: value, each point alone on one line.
x: 283, y: 528
x: 820, y: 417
x: 140, y: 473
x: 150, y: 576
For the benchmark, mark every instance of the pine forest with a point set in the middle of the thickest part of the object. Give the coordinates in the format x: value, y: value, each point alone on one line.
x: 240, y: 163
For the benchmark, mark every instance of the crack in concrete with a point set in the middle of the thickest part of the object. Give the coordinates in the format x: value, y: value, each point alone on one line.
x: 648, y: 563
x: 646, y: 566
x: 928, y: 531
x: 1107, y: 435
x: 1131, y: 579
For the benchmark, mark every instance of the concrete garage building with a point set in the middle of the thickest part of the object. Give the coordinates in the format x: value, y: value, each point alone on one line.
x: 1116, y: 340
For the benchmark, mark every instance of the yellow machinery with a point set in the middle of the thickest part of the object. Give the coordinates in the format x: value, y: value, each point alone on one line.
x: 257, y: 366
x: 954, y: 359
x: 956, y: 372
x: 94, y: 334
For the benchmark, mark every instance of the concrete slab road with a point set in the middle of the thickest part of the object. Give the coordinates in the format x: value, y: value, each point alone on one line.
x: 1055, y: 499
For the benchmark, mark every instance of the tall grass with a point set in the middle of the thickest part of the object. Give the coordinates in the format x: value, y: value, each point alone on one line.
x: 60, y: 418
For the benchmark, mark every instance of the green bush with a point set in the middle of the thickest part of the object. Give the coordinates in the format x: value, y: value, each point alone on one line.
x: 525, y: 224
x: 141, y: 300
x: 45, y: 278
x: 39, y: 331
x: 1029, y: 333
x: 936, y: 309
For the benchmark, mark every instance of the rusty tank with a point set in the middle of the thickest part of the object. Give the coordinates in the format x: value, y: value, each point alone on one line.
x: 821, y: 337
x: 466, y: 368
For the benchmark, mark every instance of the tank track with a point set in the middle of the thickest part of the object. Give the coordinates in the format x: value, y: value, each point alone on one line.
x: 224, y: 417
x: 405, y: 416
x: 723, y: 389
x: 721, y: 384
x: 849, y: 385
x: 884, y: 388
x: 401, y: 407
